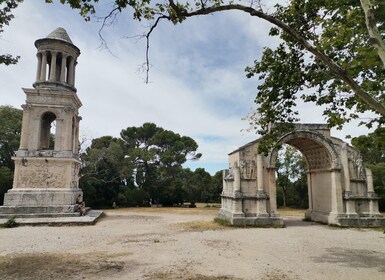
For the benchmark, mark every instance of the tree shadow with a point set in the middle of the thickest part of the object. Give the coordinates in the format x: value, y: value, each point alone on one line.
x: 297, y: 222
x: 353, y: 258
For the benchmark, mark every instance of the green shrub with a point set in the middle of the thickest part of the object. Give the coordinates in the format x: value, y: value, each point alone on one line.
x: 11, y: 222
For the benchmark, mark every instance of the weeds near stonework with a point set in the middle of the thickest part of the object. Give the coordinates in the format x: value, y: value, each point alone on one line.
x: 223, y: 222
x: 11, y: 223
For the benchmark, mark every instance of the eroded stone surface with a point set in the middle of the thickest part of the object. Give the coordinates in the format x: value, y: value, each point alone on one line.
x: 46, y: 178
x: 340, y: 188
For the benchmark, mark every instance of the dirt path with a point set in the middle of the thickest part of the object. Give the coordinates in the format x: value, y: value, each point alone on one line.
x: 186, y: 244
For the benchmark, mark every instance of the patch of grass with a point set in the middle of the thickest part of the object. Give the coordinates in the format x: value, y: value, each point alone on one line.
x: 286, y: 211
x: 186, y: 276
x: 169, y: 210
x: 11, y: 223
x: 226, y: 223
x: 203, y: 225
x: 223, y: 222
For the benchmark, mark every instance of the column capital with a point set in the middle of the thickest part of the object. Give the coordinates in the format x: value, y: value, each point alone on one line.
x: 26, y: 106
x: 69, y: 108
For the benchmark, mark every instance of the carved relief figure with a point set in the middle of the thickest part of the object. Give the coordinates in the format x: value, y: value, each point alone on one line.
x: 248, y: 169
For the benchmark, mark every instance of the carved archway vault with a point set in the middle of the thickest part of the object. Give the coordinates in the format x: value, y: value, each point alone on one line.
x: 340, y: 189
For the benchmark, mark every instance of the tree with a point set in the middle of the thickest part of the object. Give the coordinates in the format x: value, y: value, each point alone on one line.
x: 10, y: 130
x: 104, y: 171
x: 332, y: 53
x: 157, y: 156
x: 6, y: 7
x: 371, y: 146
x: 199, y: 186
x: 217, y: 186
x: 291, y: 178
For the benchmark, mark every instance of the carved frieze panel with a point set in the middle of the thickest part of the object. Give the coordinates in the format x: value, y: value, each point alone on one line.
x: 42, y: 174
x: 75, y: 167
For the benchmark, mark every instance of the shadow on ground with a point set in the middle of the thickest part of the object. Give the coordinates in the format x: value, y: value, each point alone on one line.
x: 353, y: 258
x: 61, y: 266
x: 297, y: 222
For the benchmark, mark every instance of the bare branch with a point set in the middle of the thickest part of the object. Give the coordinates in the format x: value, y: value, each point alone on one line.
x: 148, y: 43
x: 107, y: 20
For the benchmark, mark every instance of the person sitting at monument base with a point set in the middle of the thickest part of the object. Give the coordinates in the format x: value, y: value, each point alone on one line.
x: 80, y: 205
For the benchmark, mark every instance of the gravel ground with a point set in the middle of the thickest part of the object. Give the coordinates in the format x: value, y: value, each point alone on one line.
x: 186, y: 244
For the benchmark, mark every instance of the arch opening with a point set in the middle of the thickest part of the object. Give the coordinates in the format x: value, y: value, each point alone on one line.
x: 322, y: 178
x: 47, y: 131
x: 291, y: 175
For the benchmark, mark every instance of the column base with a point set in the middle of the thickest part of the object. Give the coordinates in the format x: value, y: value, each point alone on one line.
x: 258, y: 221
x: 345, y: 220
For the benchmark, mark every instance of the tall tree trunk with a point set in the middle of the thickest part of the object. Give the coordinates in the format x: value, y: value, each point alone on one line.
x: 374, y: 33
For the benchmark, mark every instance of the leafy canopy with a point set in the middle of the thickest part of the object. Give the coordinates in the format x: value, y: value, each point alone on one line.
x: 145, y: 162
x: 10, y: 130
x: 332, y: 53
x: 6, y: 7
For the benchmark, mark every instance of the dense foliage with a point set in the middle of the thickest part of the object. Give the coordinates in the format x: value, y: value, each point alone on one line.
x: 292, y: 190
x: 144, y: 167
x: 10, y: 129
x: 6, y: 7
x: 332, y: 53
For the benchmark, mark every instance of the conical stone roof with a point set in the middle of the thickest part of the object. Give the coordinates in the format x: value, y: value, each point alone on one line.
x: 60, y: 34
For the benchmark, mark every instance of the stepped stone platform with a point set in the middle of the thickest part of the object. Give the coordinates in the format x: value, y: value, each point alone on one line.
x: 56, y: 219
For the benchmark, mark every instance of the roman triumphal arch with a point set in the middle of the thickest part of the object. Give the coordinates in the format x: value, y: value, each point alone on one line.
x: 340, y: 189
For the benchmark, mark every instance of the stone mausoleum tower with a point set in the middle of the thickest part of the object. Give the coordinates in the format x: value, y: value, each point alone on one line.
x: 46, y: 164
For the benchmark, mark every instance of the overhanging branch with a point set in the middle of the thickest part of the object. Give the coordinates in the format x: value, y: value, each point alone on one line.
x: 148, y: 43
x: 339, y: 71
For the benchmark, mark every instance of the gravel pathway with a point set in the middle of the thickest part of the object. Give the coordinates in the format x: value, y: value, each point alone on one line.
x: 186, y: 244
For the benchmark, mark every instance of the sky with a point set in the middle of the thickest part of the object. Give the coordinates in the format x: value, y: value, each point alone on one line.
x: 198, y: 87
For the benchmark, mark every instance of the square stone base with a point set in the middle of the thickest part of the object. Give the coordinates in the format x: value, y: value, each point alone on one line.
x: 345, y: 220
x: 257, y: 221
x: 40, y: 203
x: 41, y: 197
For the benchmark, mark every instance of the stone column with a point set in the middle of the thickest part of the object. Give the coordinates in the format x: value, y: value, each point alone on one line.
x: 63, y: 68
x: 43, y: 72
x: 38, y: 72
x: 237, y: 178
x: 345, y: 167
x: 25, y: 127
x: 67, y: 139
x: 74, y: 73
x: 52, y: 74
x: 369, y: 180
x: 76, y: 139
x: 66, y: 132
x: 71, y: 71
x: 259, y: 173
x: 350, y: 204
x: 336, y: 192
x: 59, y: 136
x: 310, y: 190
x: 35, y: 129
x: 272, y: 191
x: 370, y: 190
